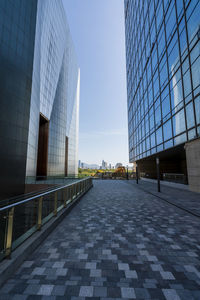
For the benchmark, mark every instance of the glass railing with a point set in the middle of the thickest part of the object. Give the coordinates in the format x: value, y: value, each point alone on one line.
x: 48, y: 180
x: 19, y: 219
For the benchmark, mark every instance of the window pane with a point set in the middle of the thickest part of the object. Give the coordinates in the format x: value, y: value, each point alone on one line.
x: 179, y: 122
x: 193, y: 21
x: 177, y: 91
x: 191, y: 134
x: 166, y: 106
x: 167, y: 130
x: 197, y: 109
x: 180, y: 139
x: 168, y: 144
x: 152, y: 140
x: 158, y: 115
x: 196, y: 73
x: 187, y: 83
x: 159, y: 138
x: 190, y: 115
x: 179, y: 5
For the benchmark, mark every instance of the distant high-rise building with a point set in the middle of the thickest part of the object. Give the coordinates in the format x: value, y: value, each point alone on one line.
x: 104, y: 164
x: 110, y: 166
x: 79, y: 163
x: 163, y: 87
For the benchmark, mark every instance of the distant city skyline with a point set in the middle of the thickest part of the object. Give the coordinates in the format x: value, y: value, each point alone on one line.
x: 98, y: 33
x: 102, y: 164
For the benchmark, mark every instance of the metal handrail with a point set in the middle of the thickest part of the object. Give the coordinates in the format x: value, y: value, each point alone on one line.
x: 39, y: 195
x: 22, y: 196
x: 69, y: 192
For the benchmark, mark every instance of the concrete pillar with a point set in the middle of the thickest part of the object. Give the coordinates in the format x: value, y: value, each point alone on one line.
x: 193, y: 164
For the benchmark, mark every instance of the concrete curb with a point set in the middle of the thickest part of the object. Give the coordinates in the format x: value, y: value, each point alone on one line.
x: 9, y: 266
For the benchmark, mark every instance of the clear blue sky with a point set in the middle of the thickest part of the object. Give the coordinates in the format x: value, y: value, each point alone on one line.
x: 97, y: 28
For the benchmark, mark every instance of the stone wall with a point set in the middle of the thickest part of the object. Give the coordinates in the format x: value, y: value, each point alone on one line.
x: 193, y: 164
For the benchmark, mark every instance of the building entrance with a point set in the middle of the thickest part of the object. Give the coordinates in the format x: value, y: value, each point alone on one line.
x: 42, y: 158
x: 66, y: 156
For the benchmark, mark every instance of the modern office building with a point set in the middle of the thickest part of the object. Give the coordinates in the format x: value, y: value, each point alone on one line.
x: 79, y: 163
x: 163, y: 86
x: 104, y: 164
x: 39, y: 93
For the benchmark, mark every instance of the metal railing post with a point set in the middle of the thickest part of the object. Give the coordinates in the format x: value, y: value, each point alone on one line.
x: 158, y: 173
x: 65, y: 198
x: 39, y: 221
x: 136, y: 173
x: 9, y: 233
x: 55, y: 204
x: 70, y: 194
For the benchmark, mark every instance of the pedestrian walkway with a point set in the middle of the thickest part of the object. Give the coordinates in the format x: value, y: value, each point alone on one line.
x: 118, y: 243
x: 181, y: 197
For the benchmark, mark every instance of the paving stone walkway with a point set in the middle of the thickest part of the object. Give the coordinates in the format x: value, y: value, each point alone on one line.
x: 181, y: 197
x: 118, y: 243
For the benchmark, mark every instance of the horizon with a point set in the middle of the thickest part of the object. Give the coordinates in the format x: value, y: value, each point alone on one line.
x: 114, y: 164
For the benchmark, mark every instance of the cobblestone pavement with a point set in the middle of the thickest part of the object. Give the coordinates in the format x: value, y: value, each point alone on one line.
x: 186, y: 199
x: 117, y: 243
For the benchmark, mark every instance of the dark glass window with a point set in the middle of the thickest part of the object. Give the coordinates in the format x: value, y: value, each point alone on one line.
x: 197, y: 109
x: 167, y: 129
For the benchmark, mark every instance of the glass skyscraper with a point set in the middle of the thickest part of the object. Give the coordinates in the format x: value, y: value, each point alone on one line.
x: 39, y: 93
x: 55, y: 95
x: 163, y: 84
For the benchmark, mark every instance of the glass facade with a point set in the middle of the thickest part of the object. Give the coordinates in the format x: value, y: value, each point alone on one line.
x: 39, y: 77
x: 163, y: 74
x: 17, y: 36
x: 55, y: 91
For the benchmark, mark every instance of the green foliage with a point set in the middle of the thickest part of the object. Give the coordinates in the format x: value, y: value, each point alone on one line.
x: 91, y: 172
